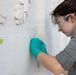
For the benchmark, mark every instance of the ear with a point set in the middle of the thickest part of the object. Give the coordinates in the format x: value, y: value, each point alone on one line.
x: 72, y: 18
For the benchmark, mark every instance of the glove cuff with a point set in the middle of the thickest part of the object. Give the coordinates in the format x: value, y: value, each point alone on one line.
x: 36, y: 52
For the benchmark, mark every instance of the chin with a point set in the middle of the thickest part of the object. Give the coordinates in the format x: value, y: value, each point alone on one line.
x: 68, y: 35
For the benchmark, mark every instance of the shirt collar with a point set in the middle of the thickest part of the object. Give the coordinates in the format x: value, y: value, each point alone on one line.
x: 74, y: 33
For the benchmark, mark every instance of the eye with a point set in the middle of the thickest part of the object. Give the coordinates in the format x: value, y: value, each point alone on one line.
x: 58, y: 22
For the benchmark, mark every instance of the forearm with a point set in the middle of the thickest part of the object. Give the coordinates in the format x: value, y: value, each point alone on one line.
x: 66, y: 73
x: 38, y: 48
x: 50, y: 63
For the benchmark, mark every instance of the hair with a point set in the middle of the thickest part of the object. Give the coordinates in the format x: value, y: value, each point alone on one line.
x: 66, y: 7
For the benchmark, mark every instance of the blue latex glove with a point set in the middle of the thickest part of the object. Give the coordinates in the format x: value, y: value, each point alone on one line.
x: 35, y: 45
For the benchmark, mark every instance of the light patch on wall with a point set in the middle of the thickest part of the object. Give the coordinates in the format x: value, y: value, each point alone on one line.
x: 3, y: 11
x: 2, y: 19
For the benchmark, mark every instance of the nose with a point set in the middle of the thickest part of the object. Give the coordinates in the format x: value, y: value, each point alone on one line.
x: 59, y: 29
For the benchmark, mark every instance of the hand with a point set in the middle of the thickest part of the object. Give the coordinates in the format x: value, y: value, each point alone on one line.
x: 43, y: 48
x: 35, y: 45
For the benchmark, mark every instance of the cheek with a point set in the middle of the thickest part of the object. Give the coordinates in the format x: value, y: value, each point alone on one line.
x: 71, y: 27
x: 65, y: 27
x: 68, y: 29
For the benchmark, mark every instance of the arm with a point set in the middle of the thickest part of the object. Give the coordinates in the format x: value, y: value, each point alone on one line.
x: 54, y: 64
x: 50, y: 63
x: 66, y: 73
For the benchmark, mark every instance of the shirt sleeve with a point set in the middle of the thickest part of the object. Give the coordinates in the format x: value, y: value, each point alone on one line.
x: 67, y: 57
x: 72, y: 70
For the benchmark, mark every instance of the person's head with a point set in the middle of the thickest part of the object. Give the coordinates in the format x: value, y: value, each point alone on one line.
x: 64, y: 15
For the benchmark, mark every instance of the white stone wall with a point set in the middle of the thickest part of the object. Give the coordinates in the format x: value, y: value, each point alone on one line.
x: 15, y: 57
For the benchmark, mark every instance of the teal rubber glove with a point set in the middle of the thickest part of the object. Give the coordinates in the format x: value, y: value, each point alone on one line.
x: 35, y: 45
x: 43, y: 48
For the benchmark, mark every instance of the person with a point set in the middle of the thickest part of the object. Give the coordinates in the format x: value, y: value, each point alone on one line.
x: 64, y: 15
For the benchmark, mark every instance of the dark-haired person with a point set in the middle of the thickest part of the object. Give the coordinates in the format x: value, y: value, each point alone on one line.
x: 64, y: 16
